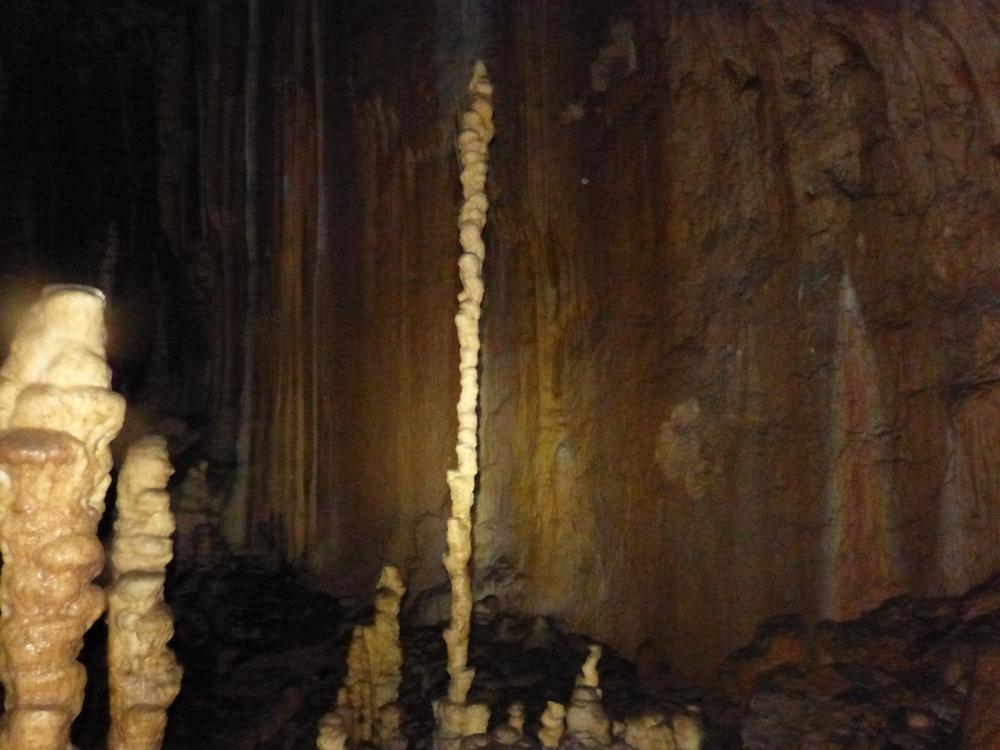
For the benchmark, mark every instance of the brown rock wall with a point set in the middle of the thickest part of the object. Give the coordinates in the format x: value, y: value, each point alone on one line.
x: 741, y: 329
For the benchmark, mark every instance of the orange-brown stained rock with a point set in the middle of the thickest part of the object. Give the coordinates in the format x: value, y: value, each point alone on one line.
x: 58, y: 418
x: 689, y: 423
x: 981, y: 718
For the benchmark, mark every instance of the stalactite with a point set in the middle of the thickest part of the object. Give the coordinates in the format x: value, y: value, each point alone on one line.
x: 454, y: 718
x: 143, y: 675
x: 58, y: 416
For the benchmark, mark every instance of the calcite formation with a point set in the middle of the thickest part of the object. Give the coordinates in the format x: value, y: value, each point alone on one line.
x: 586, y: 721
x: 454, y: 720
x: 358, y: 688
x: 332, y: 732
x: 649, y: 732
x: 677, y: 317
x: 515, y: 716
x: 58, y: 417
x: 553, y: 724
x: 143, y: 674
x: 367, y: 709
x: 589, y: 676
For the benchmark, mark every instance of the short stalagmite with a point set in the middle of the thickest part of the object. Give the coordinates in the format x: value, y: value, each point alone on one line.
x: 143, y: 675
x: 585, y: 717
x: 553, y: 725
x: 57, y: 417
x: 367, y: 709
x: 385, y: 657
x: 332, y: 732
x: 454, y: 718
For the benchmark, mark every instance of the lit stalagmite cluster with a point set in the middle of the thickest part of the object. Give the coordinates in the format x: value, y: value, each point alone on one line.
x: 367, y: 710
x: 143, y: 674
x: 58, y: 417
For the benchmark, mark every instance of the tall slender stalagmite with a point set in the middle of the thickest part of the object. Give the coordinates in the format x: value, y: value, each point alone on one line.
x: 454, y: 718
x: 57, y: 417
x: 143, y: 674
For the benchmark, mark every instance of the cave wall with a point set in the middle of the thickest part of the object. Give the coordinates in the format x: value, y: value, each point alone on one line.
x: 84, y: 88
x: 742, y: 322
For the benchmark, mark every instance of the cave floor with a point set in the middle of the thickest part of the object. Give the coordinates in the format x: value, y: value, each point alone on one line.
x: 264, y: 655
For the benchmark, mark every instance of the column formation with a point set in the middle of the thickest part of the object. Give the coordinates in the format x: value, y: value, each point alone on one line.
x: 57, y: 416
x: 454, y: 718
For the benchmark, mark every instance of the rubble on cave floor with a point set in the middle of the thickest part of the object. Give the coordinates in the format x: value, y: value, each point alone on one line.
x: 264, y: 655
x: 914, y: 674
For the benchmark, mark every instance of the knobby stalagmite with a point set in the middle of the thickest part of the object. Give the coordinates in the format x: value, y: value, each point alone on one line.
x: 454, y: 718
x: 57, y: 416
x: 367, y: 708
x: 143, y: 675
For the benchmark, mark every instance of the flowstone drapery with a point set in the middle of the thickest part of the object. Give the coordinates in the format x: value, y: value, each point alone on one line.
x: 57, y: 416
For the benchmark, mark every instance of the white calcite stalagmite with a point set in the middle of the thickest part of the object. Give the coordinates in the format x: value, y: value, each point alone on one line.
x: 358, y: 686
x: 649, y: 732
x: 332, y: 732
x: 143, y: 675
x: 454, y: 718
x: 586, y: 721
x: 515, y: 716
x: 553, y: 724
x: 57, y: 416
x: 589, y: 676
x: 368, y: 709
x: 385, y: 656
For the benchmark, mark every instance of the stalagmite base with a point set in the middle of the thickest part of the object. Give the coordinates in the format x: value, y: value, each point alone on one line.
x: 58, y: 417
x: 454, y: 718
x: 143, y: 675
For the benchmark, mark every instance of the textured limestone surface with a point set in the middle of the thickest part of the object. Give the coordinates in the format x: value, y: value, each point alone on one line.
x: 57, y: 417
x: 741, y: 335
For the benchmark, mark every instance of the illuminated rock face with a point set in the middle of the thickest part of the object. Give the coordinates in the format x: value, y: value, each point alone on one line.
x: 740, y: 331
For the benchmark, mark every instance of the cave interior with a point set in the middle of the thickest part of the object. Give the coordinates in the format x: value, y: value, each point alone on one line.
x: 738, y: 413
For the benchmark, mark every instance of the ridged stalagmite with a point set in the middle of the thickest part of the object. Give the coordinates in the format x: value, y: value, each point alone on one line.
x: 143, y: 674
x: 368, y: 710
x: 57, y: 417
x: 454, y: 718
